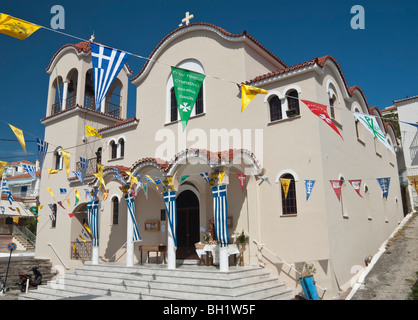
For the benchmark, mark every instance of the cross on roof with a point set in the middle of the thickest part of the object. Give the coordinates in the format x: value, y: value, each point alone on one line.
x: 92, y: 38
x: 187, y: 19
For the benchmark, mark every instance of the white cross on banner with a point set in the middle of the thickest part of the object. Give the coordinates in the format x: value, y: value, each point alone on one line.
x: 171, y: 208
x: 220, y: 208
x: 107, y: 63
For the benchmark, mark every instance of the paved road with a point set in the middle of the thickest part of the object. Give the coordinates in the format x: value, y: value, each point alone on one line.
x: 393, y: 275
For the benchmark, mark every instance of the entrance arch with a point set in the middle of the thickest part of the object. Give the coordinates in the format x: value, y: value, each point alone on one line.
x: 188, y: 224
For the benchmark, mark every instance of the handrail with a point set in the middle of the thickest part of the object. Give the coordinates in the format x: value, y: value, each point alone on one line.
x: 49, y: 244
x: 289, y: 265
x: 24, y: 235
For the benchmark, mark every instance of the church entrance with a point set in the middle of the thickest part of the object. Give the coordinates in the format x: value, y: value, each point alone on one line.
x: 188, y: 225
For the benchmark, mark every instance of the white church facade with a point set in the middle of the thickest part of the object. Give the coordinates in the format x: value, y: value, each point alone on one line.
x: 275, y: 137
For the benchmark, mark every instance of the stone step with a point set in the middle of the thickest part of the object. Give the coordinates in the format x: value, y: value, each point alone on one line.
x: 110, y: 281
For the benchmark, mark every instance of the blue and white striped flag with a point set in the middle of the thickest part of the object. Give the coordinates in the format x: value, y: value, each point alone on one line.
x: 5, y: 189
x: 131, y: 207
x: 107, y: 63
x: 93, y: 221
x: 118, y: 176
x: 42, y: 149
x: 171, y: 208
x: 205, y: 176
x: 31, y: 170
x: 83, y: 168
x: 220, y: 208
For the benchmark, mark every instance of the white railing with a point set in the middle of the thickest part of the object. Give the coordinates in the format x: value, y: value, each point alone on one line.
x: 284, y: 262
x: 58, y: 256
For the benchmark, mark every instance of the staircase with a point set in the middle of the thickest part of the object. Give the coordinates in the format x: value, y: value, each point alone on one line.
x: 187, y: 282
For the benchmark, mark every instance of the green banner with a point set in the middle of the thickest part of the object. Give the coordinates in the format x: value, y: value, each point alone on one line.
x: 187, y: 85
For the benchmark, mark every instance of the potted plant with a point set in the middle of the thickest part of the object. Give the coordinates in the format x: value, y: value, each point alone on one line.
x: 307, y: 281
x: 241, y: 239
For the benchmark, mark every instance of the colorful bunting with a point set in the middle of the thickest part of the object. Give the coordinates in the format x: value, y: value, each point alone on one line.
x: 52, y: 171
x: 99, y: 174
x: 50, y: 191
x: 60, y: 203
x: 248, y: 93
x: 105, y: 194
x: 241, y: 178
x: 19, y: 136
x: 42, y: 150
x: 63, y: 191
x: 2, y: 167
x: 221, y: 176
x: 66, y: 157
x: 205, y: 176
x: 384, y: 184
x: 151, y: 180
x: 336, y: 185
x: 321, y: 111
x: 16, y: 28
x: 170, y: 182
x: 5, y: 189
x: 309, y: 184
x: 370, y: 122
x: 356, y: 185
x: 31, y: 169
x: 69, y: 203
x: 184, y: 178
x: 187, y: 85
x: 77, y: 197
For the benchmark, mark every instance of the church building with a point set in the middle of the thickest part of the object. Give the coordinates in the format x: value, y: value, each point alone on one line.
x: 304, y: 188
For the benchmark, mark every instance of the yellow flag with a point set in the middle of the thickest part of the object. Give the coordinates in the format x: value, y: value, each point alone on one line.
x: 285, y: 185
x: 18, y: 210
x: 2, y: 166
x: 73, y: 247
x: 19, y: 136
x: 150, y: 179
x: 66, y: 157
x: 221, y: 176
x: 87, y: 228
x: 414, y: 181
x: 15, y: 219
x: 77, y: 197
x: 69, y: 203
x: 99, y: 174
x: 91, y: 132
x: 52, y: 171
x: 133, y: 179
x: 248, y: 93
x: 50, y: 191
x: 170, y: 182
x: 15, y: 27
x: 82, y: 238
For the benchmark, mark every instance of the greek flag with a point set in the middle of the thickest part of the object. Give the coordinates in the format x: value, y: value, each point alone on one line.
x: 83, y: 168
x: 93, y: 221
x: 171, y: 208
x: 131, y: 207
x: 107, y: 63
x: 220, y: 208
x: 5, y: 189
x: 118, y: 176
x: 205, y: 176
x: 42, y: 149
x: 31, y: 170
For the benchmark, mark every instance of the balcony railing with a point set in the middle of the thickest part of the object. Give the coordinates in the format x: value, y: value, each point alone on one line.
x: 91, y: 166
x: 70, y: 102
x: 81, y: 250
x: 89, y: 102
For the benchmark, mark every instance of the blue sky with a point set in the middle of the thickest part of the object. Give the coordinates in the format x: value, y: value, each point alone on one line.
x: 381, y: 59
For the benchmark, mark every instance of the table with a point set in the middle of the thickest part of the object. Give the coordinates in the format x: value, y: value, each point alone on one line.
x: 153, y: 248
x: 212, y: 250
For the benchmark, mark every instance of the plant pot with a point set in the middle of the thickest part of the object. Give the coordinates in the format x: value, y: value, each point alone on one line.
x: 309, y: 288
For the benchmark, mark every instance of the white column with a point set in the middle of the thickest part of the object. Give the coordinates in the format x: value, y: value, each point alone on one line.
x: 171, y: 250
x: 64, y: 96
x: 129, y: 242
x: 95, y: 255
x: 223, y: 259
x: 103, y: 105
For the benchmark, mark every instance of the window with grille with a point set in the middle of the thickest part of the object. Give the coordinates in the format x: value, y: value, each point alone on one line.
x: 173, y: 107
x: 275, y: 108
x: 115, y: 210
x: 293, y: 101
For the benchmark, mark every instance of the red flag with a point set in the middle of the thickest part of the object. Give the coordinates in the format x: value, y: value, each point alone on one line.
x: 356, y: 185
x: 60, y: 203
x: 71, y: 215
x: 321, y: 111
x: 336, y: 185
x: 241, y: 178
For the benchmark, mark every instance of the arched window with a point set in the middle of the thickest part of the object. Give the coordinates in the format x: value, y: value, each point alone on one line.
x: 121, y: 147
x: 173, y: 106
x: 98, y: 156
x: 115, y: 210
x: 289, y: 202
x: 293, y: 101
x: 113, y: 150
x: 332, y: 100
x: 54, y: 216
x: 58, y: 159
x: 199, y: 102
x: 275, y: 105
